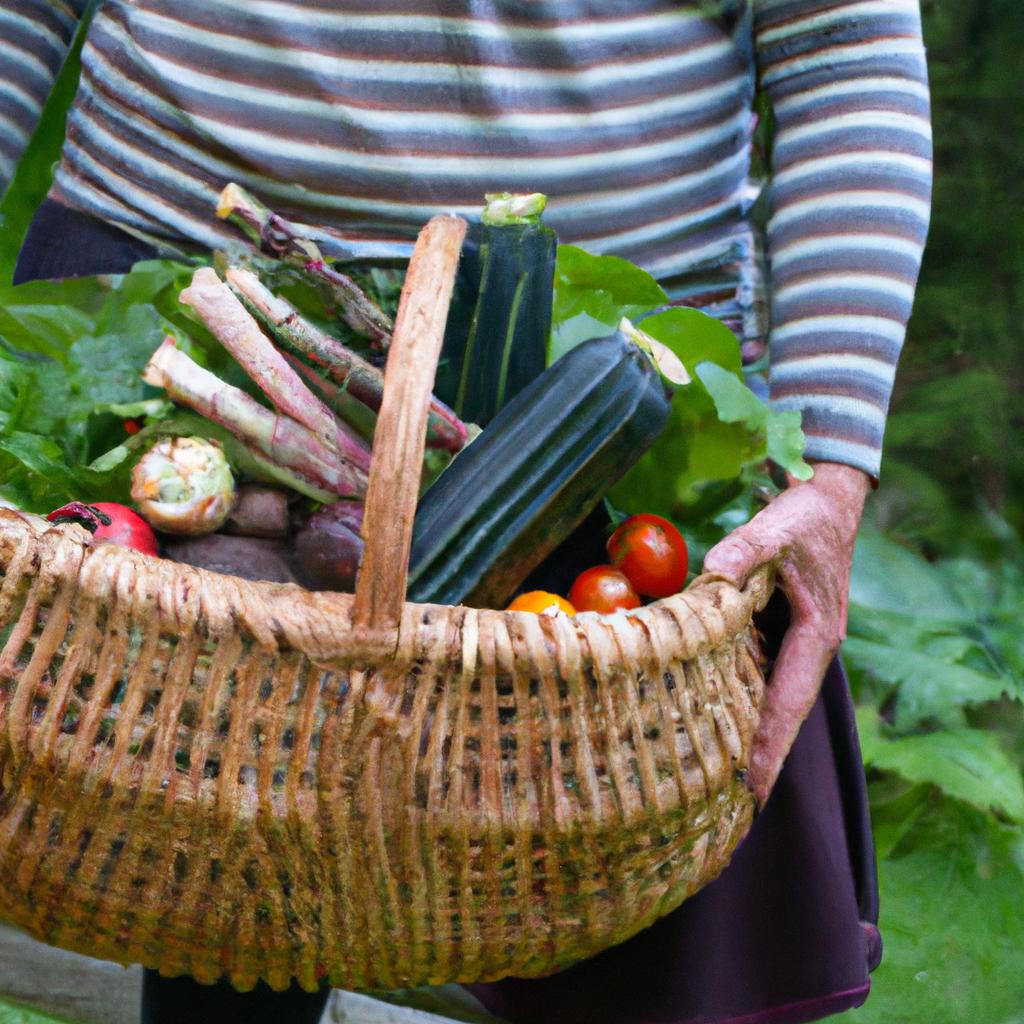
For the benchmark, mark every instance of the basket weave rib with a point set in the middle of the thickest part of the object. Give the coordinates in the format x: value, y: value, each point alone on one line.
x: 223, y: 778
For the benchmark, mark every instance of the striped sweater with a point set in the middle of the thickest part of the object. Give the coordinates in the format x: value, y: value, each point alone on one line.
x: 365, y: 117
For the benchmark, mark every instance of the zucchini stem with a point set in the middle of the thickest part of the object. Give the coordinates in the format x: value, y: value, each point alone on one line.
x: 504, y: 208
x: 668, y: 364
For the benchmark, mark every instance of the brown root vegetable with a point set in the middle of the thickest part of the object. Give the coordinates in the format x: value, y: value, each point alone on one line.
x: 259, y: 512
x: 249, y: 558
x: 329, y: 548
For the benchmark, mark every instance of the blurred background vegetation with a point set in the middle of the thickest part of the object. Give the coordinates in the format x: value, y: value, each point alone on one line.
x: 936, y: 647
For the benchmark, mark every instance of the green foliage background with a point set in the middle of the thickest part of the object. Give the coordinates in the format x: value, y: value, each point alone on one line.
x: 936, y: 649
x: 935, y: 634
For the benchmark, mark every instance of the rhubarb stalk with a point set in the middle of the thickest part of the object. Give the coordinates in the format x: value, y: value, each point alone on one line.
x: 275, y: 436
x: 278, y: 237
x: 363, y: 381
x: 230, y: 323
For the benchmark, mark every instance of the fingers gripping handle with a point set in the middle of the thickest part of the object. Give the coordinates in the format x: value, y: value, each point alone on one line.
x: 400, y: 436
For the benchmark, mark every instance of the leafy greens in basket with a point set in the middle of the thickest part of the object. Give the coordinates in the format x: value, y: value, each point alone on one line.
x: 76, y: 413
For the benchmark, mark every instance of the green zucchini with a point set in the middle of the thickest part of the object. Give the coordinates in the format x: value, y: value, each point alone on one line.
x: 544, y: 462
x: 499, y: 321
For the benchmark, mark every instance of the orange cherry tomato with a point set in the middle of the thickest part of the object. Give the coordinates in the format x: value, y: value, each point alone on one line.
x: 652, y: 554
x: 603, y: 589
x: 539, y: 602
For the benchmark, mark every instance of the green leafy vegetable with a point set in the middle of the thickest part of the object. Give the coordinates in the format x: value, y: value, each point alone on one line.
x: 71, y: 353
x: 736, y: 403
x: 719, y: 430
x: 593, y: 293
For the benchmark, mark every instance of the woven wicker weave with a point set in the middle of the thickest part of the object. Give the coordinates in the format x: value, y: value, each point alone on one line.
x: 225, y: 778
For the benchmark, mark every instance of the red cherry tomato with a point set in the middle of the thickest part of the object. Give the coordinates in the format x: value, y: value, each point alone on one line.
x: 652, y: 554
x: 602, y: 589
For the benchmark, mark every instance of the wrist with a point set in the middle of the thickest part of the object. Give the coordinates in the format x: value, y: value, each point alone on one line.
x: 841, y: 479
x: 846, y: 487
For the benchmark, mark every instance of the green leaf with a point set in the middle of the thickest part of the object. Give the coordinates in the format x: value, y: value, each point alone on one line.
x: 710, y: 437
x: 34, y: 172
x: 695, y: 448
x: 966, y: 764
x: 950, y: 921
x: 32, y: 322
x: 786, y: 443
x: 696, y: 338
x: 929, y: 689
x: 736, y: 403
x: 888, y: 576
x: 70, y: 372
x: 593, y: 293
x: 44, y: 458
x: 896, y: 807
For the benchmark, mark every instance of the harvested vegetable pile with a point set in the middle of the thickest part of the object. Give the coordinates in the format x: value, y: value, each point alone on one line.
x: 233, y: 405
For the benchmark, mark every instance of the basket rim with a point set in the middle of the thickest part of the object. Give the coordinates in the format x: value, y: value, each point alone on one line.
x: 320, y: 623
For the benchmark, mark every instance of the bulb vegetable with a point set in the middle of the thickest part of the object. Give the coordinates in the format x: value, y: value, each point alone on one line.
x: 184, y: 485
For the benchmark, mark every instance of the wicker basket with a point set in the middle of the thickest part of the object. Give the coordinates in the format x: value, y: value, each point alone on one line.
x: 224, y: 778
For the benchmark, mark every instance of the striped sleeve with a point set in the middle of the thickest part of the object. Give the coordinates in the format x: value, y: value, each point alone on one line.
x: 849, y: 200
x: 35, y: 37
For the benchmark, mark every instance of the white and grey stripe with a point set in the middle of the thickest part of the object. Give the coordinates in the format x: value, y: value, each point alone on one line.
x: 365, y: 117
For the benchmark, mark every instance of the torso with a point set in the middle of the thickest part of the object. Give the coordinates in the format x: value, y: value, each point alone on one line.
x: 368, y: 117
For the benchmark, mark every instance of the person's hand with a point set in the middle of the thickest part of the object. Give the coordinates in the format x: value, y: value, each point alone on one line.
x: 808, y: 532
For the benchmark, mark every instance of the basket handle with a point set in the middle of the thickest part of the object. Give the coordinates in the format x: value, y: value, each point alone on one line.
x: 400, y: 436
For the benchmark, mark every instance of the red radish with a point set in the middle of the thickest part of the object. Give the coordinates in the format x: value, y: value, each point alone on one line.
x: 108, y: 521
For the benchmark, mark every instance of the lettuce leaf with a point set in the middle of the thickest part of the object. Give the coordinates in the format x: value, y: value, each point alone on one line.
x: 718, y: 429
x: 71, y: 353
x: 593, y: 293
x: 718, y: 432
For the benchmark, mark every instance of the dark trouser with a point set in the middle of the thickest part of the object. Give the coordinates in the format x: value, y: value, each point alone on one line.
x: 787, y: 934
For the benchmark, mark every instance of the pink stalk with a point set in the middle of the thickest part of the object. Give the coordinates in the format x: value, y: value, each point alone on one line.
x: 363, y: 381
x: 230, y: 323
x: 277, y: 437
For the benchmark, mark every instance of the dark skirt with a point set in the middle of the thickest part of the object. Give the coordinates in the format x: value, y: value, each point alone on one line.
x: 787, y: 934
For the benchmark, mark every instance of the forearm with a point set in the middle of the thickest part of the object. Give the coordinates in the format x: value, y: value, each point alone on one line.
x: 850, y: 197
x: 36, y: 35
